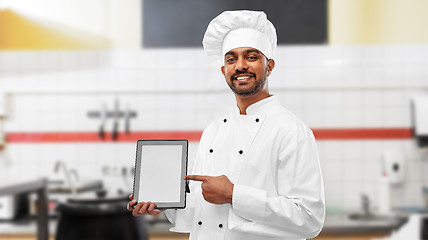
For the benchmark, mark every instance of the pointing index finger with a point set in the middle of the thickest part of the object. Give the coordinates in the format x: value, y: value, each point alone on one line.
x: 200, y: 178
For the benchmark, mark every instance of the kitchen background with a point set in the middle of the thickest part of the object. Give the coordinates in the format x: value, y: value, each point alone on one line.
x: 355, y: 92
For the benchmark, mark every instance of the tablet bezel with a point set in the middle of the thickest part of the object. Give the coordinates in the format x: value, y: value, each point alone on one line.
x: 137, y: 173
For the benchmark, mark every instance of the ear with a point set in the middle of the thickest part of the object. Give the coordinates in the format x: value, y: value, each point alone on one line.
x: 222, y: 70
x: 271, y: 65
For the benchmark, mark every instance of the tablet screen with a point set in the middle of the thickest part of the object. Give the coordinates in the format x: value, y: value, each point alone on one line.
x: 162, y: 164
x: 159, y: 171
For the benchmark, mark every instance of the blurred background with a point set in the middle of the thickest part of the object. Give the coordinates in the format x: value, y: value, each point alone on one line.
x: 81, y: 81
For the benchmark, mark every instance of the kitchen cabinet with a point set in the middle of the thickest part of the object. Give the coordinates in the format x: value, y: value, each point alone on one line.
x: 321, y: 237
x: 21, y: 237
x: 52, y: 237
x: 40, y: 187
x: 186, y: 236
x: 183, y: 236
x: 350, y: 237
x: 336, y: 227
x: 177, y: 236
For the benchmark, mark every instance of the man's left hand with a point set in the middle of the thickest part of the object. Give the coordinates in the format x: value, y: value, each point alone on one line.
x: 217, y: 190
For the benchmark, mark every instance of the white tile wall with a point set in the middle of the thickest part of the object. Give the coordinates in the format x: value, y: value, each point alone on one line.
x: 183, y: 89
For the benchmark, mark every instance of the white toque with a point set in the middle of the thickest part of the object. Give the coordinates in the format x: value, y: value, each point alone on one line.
x: 244, y: 28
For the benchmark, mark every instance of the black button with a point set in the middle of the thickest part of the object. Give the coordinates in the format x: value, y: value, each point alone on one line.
x: 220, y: 225
x: 241, y: 152
x: 225, y: 120
x: 211, y: 150
x: 200, y: 223
x: 257, y: 120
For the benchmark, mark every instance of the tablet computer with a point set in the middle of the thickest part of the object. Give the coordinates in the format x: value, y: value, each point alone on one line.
x: 160, y: 166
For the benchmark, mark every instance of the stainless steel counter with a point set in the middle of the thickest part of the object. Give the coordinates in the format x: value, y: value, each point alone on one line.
x: 343, y: 224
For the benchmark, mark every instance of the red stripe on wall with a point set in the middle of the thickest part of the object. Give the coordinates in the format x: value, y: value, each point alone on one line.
x: 93, y: 136
x: 194, y: 136
x: 363, y: 133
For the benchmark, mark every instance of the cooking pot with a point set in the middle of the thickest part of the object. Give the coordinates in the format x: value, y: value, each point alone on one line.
x: 102, y: 218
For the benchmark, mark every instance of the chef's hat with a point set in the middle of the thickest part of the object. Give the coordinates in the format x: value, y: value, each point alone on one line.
x: 233, y: 29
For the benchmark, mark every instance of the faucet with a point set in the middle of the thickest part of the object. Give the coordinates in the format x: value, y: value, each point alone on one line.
x: 67, y: 174
x: 76, y: 175
x: 365, y: 204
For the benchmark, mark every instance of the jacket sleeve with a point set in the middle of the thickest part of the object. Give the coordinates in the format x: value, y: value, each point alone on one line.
x: 298, y: 208
x: 170, y: 215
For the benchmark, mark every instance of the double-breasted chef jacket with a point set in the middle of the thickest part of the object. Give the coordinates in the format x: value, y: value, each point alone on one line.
x: 271, y: 158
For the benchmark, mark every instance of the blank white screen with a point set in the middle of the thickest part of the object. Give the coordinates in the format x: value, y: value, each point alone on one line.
x: 160, y: 176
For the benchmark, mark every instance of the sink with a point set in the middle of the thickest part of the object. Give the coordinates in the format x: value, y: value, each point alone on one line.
x: 394, y: 219
x: 372, y: 217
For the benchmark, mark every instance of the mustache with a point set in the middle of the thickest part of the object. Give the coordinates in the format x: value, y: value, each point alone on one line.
x: 238, y: 72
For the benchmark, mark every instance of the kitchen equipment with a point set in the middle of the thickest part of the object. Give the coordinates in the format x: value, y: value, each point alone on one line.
x: 394, y: 166
x: 424, y: 228
x: 103, y: 122
x: 13, y: 206
x: 25, y: 186
x: 392, y: 173
x: 384, y: 195
x: 60, y: 164
x: 416, y: 228
x: 7, y: 207
x: 425, y: 196
x: 420, y: 121
x: 115, y: 120
x: 127, y: 119
x: 102, y: 218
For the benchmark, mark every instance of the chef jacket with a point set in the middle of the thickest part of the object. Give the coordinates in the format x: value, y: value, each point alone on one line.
x: 271, y: 158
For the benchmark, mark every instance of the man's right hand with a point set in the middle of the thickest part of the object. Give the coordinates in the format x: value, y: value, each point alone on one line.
x: 142, y: 208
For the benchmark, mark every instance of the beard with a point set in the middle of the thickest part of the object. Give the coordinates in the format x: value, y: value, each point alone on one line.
x: 258, y: 85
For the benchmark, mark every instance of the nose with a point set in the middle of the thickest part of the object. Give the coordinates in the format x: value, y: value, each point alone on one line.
x: 241, y: 64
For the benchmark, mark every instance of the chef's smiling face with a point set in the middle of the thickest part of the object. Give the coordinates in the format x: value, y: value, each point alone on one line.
x: 246, y: 70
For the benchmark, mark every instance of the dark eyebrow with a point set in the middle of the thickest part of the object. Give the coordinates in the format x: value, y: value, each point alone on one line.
x: 229, y: 53
x: 247, y: 51
x: 253, y: 51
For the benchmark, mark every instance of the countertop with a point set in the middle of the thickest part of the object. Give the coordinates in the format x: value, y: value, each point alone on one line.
x: 342, y: 224
x: 21, y: 186
x: 334, y: 224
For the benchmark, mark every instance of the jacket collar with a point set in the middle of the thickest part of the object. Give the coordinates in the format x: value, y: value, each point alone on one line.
x: 259, y: 107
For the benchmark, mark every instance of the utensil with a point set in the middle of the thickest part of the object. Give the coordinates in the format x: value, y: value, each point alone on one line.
x: 103, y: 121
x: 115, y: 123
x: 127, y: 119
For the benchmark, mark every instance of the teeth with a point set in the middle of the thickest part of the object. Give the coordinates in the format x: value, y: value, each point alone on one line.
x: 240, y: 78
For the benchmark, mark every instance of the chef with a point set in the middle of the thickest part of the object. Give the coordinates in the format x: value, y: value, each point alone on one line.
x: 257, y: 173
